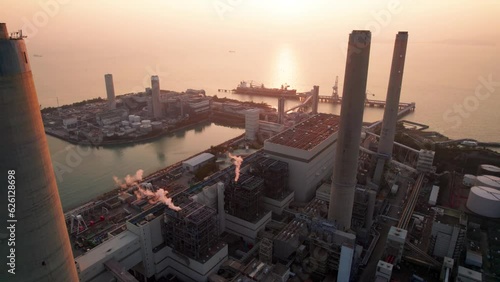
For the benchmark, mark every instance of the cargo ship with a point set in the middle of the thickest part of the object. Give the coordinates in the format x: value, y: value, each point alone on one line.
x: 259, y: 89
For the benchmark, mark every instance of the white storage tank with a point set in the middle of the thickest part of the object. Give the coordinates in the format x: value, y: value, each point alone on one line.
x: 146, y: 128
x: 469, y: 180
x: 125, y: 123
x: 131, y: 118
x: 136, y: 124
x: 137, y: 119
x: 488, y: 181
x: 157, y: 125
x: 486, y: 169
x: 146, y: 121
x: 484, y: 201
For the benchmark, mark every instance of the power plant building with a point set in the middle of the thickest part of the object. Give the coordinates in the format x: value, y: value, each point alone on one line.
x: 308, y: 148
x: 42, y: 251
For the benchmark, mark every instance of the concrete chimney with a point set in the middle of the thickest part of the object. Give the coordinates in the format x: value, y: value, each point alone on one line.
x: 345, y: 165
x: 31, y: 209
x: 4, y: 34
x: 281, y: 110
x: 388, y: 131
x: 315, y: 100
x: 110, y: 91
x: 155, y: 90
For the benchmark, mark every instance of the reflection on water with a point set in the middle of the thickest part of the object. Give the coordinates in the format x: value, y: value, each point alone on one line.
x: 83, y: 173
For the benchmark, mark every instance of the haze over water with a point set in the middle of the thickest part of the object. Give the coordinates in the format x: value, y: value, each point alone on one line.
x: 453, y: 48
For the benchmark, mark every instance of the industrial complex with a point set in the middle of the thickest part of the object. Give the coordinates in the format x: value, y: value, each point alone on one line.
x: 299, y: 197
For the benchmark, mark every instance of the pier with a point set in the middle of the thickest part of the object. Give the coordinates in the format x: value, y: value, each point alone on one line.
x: 368, y: 102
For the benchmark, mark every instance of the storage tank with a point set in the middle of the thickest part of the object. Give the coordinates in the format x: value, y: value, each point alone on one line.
x: 146, y: 128
x: 484, y: 201
x: 488, y: 181
x: 469, y: 180
x: 125, y: 123
x: 131, y: 118
x: 146, y: 121
x: 137, y: 119
x: 486, y: 169
x: 136, y: 124
x: 157, y: 125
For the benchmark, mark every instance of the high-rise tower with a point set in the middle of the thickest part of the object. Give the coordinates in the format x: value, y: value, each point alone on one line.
x: 39, y: 241
x: 110, y: 91
x: 345, y: 166
x: 388, y: 131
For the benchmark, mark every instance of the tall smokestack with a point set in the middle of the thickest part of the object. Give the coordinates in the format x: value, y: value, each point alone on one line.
x: 155, y: 89
x: 38, y: 245
x: 110, y: 91
x: 388, y: 131
x: 281, y: 110
x: 351, y: 119
x: 315, y: 100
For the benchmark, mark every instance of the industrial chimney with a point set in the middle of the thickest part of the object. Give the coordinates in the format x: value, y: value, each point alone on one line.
x: 345, y: 165
x: 388, y: 131
x: 110, y: 91
x: 155, y: 88
x: 315, y: 100
x: 31, y: 210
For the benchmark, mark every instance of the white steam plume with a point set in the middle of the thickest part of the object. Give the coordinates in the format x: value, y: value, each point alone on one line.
x: 129, y: 179
x: 237, y: 163
x: 154, y: 197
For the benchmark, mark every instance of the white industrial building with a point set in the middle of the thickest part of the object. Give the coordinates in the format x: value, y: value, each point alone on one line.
x: 395, y: 243
x: 309, y: 149
x: 434, y: 195
x: 425, y: 160
x: 194, y: 163
x: 384, y: 271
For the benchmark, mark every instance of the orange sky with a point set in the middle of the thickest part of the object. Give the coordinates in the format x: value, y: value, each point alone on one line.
x: 469, y: 22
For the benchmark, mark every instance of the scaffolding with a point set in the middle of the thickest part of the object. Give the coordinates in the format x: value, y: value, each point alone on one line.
x: 275, y: 175
x: 243, y: 199
x: 193, y: 230
x: 266, y: 250
x: 360, y: 209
